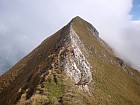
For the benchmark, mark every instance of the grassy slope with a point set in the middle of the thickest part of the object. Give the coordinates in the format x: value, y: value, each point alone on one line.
x: 112, y: 85
x: 29, y: 69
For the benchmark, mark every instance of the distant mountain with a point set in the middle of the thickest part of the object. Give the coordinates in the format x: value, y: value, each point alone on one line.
x: 72, y: 67
x: 4, y: 65
x: 6, y: 62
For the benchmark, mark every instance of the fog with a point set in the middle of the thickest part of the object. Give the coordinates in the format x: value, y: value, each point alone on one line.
x: 24, y: 24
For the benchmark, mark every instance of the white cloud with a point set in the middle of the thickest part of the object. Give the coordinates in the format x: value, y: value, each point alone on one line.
x: 25, y: 23
x: 131, y: 45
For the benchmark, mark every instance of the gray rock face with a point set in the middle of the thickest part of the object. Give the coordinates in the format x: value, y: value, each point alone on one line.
x: 76, y: 65
x: 93, y: 30
x: 123, y: 65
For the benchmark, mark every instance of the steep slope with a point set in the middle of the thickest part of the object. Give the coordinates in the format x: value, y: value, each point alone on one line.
x: 73, y: 66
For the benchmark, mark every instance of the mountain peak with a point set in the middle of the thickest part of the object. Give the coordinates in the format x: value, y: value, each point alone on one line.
x: 78, y: 18
x: 73, y: 66
x: 79, y: 22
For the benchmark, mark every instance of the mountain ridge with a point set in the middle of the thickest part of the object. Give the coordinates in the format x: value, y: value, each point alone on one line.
x: 73, y: 66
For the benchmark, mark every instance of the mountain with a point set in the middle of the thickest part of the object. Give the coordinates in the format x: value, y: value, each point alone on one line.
x: 4, y: 65
x: 73, y: 66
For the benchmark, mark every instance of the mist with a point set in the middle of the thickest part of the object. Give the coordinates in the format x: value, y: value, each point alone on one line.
x: 24, y: 24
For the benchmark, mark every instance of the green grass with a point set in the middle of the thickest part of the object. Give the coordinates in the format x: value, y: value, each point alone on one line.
x: 54, y: 87
x: 112, y: 85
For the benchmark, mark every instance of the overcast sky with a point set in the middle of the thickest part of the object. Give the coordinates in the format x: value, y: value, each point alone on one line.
x: 24, y: 24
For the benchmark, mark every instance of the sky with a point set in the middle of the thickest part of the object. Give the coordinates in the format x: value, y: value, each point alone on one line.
x: 136, y: 10
x: 24, y: 24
